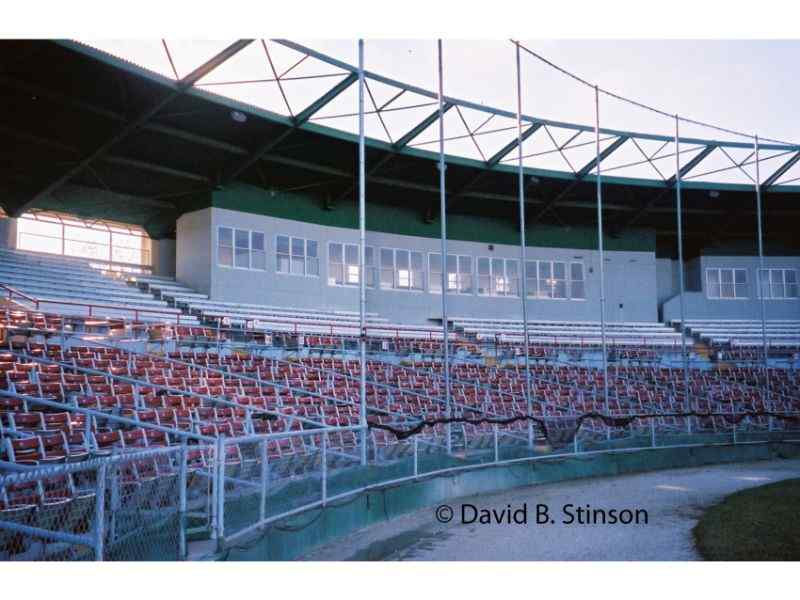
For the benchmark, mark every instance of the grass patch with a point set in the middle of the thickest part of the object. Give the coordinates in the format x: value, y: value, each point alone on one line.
x: 756, y: 524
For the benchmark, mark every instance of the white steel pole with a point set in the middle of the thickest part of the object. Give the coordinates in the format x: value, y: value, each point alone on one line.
x: 362, y: 233
x: 761, y: 285
x: 679, y: 212
x: 600, y: 249
x: 443, y: 213
x: 523, y: 253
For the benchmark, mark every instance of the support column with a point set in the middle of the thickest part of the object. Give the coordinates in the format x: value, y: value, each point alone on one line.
x: 600, y: 249
x: 761, y: 274
x: 443, y: 213
x: 523, y: 253
x: 679, y: 217
x: 362, y: 290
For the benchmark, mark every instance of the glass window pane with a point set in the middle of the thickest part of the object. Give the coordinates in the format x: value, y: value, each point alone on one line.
x: 727, y: 290
x: 298, y: 247
x: 258, y: 241
x: 512, y: 268
x: 298, y: 265
x: 416, y: 261
x: 790, y: 275
x: 497, y: 267
x: 401, y: 259
x: 775, y: 276
x: 351, y: 254
x: 369, y: 255
x: 559, y: 270
x: 726, y: 275
x: 465, y: 264
x: 283, y: 244
x: 531, y: 269
x: 791, y: 290
x: 560, y: 290
x: 712, y: 275
x: 282, y: 261
x: 242, y: 239
x: 311, y: 248
x: 483, y: 266
x: 577, y: 271
x: 387, y: 258
x: 544, y: 270
x: 452, y: 263
x: 312, y: 266
x: 577, y: 291
x: 225, y: 256
x: 435, y: 262
x: 243, y: 258
x: 465, y: 281
x: 713, y: 290
x: 225, y: 236
x: 335, y: 252
x: 335, y: 274
x: 741, y: 276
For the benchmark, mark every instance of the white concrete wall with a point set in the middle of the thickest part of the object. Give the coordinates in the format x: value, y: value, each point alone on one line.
x: 193, y: 251
x: 699, y: 306
x: 631, y: 287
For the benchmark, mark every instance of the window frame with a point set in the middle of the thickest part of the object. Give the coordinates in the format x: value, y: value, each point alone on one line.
x: 784, y: 283
x: 232, y: 247
x: 293, y: 256
x: 438, y: 278
x: 719, y: 271
x: 367, y: 267
x: 492, y: 277
x: 395, y: 276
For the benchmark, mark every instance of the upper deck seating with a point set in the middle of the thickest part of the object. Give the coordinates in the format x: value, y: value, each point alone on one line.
x: 71, y: 286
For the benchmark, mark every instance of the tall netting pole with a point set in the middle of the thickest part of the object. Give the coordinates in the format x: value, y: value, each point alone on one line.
x: 679, y: 218
x: 443, y: 213
x: 600, y: 249
x: 760, y: 278
x: 523, y: 253
x: 362, y: 234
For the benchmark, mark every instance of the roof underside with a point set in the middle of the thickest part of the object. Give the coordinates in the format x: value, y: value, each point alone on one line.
x: 84, y: 133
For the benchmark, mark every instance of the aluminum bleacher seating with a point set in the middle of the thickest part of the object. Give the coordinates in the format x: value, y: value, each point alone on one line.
x: 73, y: 287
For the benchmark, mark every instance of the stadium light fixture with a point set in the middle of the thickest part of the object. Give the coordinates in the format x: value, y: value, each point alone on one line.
x: 238, y: 116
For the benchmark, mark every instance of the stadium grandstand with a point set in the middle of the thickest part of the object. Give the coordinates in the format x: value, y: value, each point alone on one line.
x: 217, y: 317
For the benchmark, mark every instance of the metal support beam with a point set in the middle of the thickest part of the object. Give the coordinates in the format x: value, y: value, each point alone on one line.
x: 579, y: 176
x: 515, y: 143
x: 670, y: 184
x: 180, y: 88
x: 237, y: 169
x: 420, y: 127
x: 770, y: 181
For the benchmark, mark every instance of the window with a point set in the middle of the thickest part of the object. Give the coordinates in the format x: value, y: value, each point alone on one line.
x: 401, y: 270
x: 498, y: 277
x: 343, y: 264
x: 778, y: 284
x: 242, y: 255
x: 258, y: 252
x: 241, y: 248
x: 296, y: 256
x: 225, y: 247
x: 459, y: 274
x: 550, y: 280
x: 104, y: 242
x: 726, y: 284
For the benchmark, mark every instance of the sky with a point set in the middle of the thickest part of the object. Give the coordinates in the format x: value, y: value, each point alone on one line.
x: 744, y: 85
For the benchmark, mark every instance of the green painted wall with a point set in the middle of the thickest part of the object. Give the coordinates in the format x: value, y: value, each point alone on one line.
x: 407, y: 221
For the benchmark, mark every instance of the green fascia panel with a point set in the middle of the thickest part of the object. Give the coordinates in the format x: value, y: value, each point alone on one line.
x: 406, y: 221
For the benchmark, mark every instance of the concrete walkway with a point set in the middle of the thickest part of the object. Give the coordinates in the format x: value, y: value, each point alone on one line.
x: 673, y: 501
